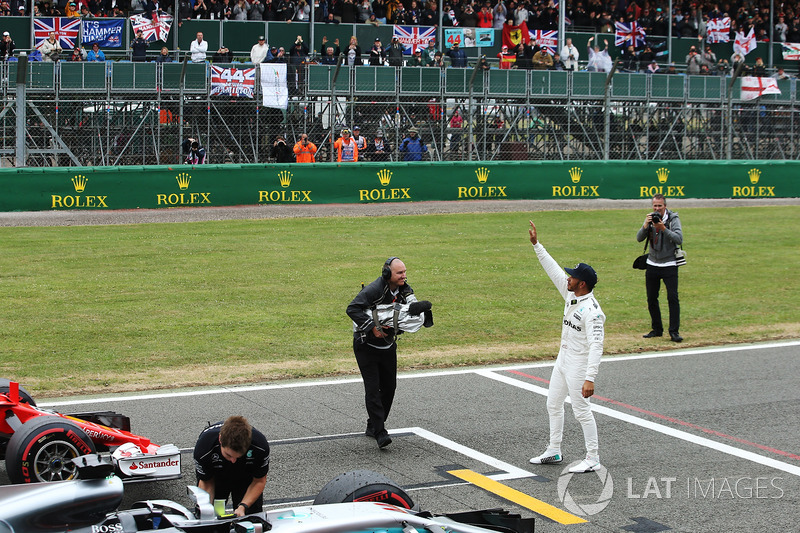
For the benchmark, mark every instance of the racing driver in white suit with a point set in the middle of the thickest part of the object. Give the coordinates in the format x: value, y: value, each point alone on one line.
x: 578, y: 359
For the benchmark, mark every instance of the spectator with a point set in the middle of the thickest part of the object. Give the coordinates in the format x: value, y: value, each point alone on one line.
x: 257, y: 10
x: 303, y: 13
x: 506, y: 59
x: 438, y: 60
x: 430, y: 15
x: 278, y: 56
x: 523, y: 57
x: 7, y: 46
x: 373, y: 20
x: 412, y: 146
x: 629, y: 60
x: 599, y: 61
x: 223, y: 55
x: 646, y: 56
x: 50, y: 48
x: 305, y: 151
x: 346, y: 148
x: 416, y: 59
x: 781, y: 29
x: 376, y: 54
x: 723, y: 68
x: 363, y: 11
x: 280, y: 151
x: 240, y: 10
x: 95, y: 54
x: 297, y: 57
x: 360, y: 140
x: 138, y: 6
x: 198, y: 49
x: 458, y: 58
x: 259, y: 51
x: 395, y: 53
x: 693, y: 61
x: 379, y: 10
x: 336, y: 49
x: 671, y: 68
x: 429, y: 53
x: 542, y: 60
x: 200, y: 10
x: 570, y: 55
x: 485, y: 17
x: 499, y: 16
x: 482, y: 64
x: 557, y: 63
x: 653, y: 68
x: 379, y: 149
x: 352, y: 53
x: 164, y: 56
x: 759, y: 70
x: 71, y: 11
x: 520, y: 14
x: 329, y: 58
x: 196, y: 154
x: 139, y: 47
x: 77, y: 54
x: 468, y: 19
x: 709, y: 57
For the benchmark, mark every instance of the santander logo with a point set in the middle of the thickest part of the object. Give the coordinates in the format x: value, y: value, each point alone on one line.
x: 136, y: 465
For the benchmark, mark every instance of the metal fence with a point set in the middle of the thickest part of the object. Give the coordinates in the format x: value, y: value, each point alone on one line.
x: 119, y: 113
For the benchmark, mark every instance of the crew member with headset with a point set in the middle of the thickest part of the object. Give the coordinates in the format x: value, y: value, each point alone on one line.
x: 374, y: 343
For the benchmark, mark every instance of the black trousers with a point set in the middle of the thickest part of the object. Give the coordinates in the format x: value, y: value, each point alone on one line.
x: 379, y: 372
x: 236, y: 488
x: 653, y: 277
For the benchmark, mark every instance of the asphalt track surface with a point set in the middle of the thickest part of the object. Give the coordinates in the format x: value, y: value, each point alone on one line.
x: 693, y: 440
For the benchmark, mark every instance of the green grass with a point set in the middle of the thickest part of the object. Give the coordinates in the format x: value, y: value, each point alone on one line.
x: 113, y: 308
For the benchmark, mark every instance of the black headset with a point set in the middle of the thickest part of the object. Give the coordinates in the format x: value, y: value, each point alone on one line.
x: 386, y: 273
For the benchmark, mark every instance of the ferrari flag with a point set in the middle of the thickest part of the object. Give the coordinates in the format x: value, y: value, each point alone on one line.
x: 155, y: 29
x: 513, y: 35
x: 753, y: 87
x: 233, y: 81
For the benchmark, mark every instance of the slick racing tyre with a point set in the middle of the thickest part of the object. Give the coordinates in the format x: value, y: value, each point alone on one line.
x: 23, y: 394
x: 363, y: 486
x: 43, y: 449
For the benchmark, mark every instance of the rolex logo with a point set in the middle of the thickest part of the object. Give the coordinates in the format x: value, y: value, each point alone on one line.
x: 385, y: 175
x: 754, y: 174
x: 79, y: 182
x: 575, y: 174
x: 285, y: 177
x: 183, y: 180
x: 662, y: 174
x: 483, y: 174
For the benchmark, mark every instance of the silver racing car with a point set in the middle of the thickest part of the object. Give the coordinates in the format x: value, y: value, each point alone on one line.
x: 355, y: 502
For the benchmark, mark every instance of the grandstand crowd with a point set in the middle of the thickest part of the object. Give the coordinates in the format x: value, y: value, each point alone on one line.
x: 688, y: 18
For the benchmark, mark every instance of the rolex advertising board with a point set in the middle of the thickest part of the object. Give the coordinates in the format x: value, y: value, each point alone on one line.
x: 102, y: 188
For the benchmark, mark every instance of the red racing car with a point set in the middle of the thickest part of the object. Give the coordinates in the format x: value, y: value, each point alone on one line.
x: 39, y: 444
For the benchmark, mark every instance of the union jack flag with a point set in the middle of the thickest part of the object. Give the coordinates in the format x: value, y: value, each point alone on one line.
x: 414, y: 37
x: 155, y: 29
x: 66, y: 30
x: 791, y: 51
x: 546, y: 39
x: 630, y: 33
x: 718, y: 30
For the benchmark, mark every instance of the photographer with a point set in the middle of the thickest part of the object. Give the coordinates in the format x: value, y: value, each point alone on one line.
x: 663, y: 227
x: 281, y: 152
x: 196, y: 154
x: 305, y: 151
x: 412, y: 146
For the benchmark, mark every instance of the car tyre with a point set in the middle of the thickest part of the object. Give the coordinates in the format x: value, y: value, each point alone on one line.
x: 363, y: 486
x: 43, y: 449
x: 24, y: 395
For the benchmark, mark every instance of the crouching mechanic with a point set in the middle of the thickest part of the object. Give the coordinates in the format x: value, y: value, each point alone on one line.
x: 232, y: 458
x: 578, y: 360
x: 380, y: 312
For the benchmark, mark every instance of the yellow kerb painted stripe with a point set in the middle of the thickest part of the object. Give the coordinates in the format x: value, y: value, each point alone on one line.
x: 513, y: 495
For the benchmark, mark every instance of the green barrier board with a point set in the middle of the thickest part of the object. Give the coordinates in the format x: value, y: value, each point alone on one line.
x: 321, y: 183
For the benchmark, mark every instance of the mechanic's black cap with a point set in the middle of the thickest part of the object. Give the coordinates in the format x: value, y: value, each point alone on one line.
x: 583, y: 272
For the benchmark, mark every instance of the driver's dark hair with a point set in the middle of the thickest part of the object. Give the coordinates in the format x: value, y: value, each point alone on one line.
x: 237, y: 434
